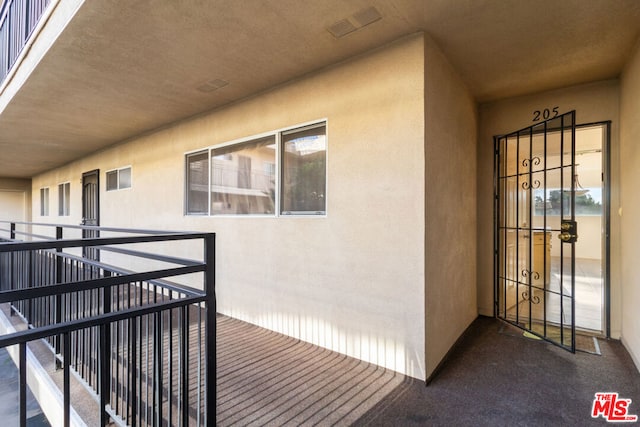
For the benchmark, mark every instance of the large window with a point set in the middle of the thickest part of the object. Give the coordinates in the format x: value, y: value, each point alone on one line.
x: 281, y: 173
x: 44, y: 202
x: 64, y: 199
x: 242, y: 178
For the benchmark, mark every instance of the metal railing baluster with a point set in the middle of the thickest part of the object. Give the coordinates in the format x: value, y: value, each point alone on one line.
x: 66, y: 357
x: 59, y: 278
x: 210, y: 332
x: 157, y: 345
x: 18, y: 19
x: 23, y: 382
x: 105, y: 377
x: 75, y: 301
x: 184, y: 366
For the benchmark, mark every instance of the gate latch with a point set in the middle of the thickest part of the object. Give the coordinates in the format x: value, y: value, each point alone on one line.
x: 568, y: 231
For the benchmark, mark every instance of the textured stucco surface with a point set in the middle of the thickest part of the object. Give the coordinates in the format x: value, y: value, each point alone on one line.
x: 352, y: 281
x: 630, y: 182
x: 450, y: 200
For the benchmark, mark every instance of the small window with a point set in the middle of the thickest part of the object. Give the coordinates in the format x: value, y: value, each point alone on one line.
x: 198, y: 183
x: 64, y: 199
x: 304, y: 163
x: 119, y: 179
x: 112, y: 180
x: 124, y: 178
x: 44, y: 202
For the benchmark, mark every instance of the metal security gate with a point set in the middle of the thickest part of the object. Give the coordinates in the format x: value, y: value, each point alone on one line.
x: 535, y: 229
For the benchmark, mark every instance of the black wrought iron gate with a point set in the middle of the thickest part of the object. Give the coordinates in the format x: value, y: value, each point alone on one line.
x: 535, y: 229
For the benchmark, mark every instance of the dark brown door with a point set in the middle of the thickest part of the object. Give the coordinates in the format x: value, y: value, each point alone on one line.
x: 91, y: 210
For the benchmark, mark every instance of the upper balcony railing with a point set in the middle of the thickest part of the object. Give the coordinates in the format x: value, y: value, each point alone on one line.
x: 18, y: 19
x: 144, y: 345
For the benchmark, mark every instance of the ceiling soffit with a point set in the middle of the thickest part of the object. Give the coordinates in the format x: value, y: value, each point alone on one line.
x: 123, y: 68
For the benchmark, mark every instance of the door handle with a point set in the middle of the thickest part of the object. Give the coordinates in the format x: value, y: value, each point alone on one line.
x: 565, y: 236
x: 568, y: 231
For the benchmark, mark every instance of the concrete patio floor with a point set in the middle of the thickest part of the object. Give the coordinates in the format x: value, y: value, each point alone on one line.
x: 494, y: 376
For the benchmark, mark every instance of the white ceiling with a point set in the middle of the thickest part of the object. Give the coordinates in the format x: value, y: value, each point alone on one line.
x: 122, y: 68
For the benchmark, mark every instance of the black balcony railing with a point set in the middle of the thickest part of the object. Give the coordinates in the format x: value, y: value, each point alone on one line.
x: 144, y: 345
x: 18, y: 18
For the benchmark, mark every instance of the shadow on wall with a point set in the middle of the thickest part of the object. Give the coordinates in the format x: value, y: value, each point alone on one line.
x: 372, y: 345
x: 266, y: 378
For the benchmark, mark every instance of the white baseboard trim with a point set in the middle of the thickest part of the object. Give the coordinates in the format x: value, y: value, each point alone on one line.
x: 634, y: 357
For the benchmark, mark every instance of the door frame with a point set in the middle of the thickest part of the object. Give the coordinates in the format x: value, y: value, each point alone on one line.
x: 85, y: 175
x: 606, y: 218
x: 606, y: 212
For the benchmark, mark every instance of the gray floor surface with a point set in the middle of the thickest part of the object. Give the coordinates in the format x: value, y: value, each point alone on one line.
x: 495, y: 376
x: 10, y: 396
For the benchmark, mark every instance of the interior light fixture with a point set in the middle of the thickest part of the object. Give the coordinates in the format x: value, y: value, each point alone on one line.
x: 578, y: 188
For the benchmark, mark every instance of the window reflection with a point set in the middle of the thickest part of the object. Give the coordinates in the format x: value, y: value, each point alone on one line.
x: 588, y: 201
x: 243, y: 178
x: 304, y: 170
x: 197, y: 182
x: 281, y: 173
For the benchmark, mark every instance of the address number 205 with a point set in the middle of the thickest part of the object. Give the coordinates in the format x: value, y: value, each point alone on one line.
x: 546, y: 114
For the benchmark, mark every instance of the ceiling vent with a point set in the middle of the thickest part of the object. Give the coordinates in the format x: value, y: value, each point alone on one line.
x: 212, y: 85
x: 355, y: 22
x: 341, y: 28
x: 367, y: 16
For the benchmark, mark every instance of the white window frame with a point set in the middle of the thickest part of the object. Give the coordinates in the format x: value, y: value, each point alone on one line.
x: 45, y: 201
x: 326, y: 175
x: 278, y: 165
x: 117, y: 172
x: 64, y: 199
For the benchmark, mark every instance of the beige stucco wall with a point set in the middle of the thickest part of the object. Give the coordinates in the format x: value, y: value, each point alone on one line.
x: 594, y: 102
x: 450, y: 202
x: 15, y: 202
x: 15, y: 184
x: 630, y: 202
x: 352, y: 281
